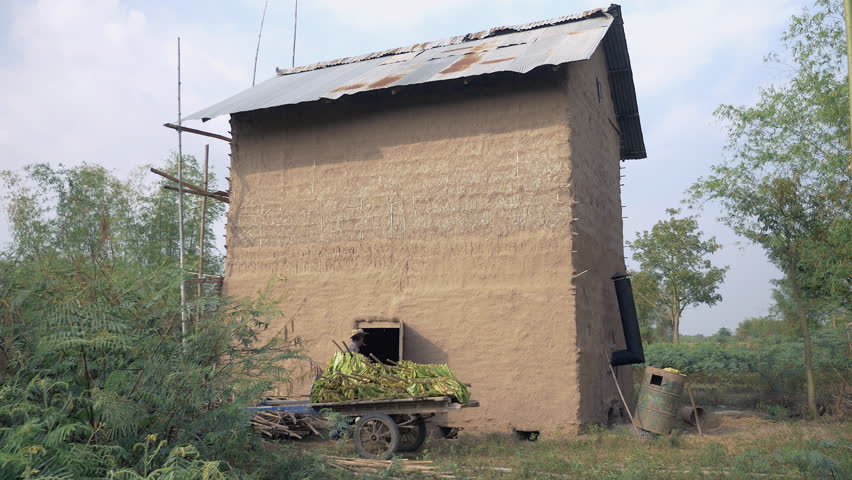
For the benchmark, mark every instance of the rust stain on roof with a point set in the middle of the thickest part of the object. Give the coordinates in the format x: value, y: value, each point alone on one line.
x: 386, y: 81
x: 498, y: 60
x: 463, y: 63
x: 353, y: 86
x: 483, y: 47
x: 457, y: 49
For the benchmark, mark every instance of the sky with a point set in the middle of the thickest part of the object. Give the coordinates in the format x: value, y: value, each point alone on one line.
x: 94, y: 80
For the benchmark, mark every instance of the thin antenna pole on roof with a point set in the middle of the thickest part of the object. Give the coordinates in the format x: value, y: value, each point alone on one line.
x: 180, y: 210
x: 295, y: 24
x: 257, y: 50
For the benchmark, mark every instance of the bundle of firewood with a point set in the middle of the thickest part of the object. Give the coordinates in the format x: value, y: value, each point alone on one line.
x: 366, y: 466
x: 275, y: 424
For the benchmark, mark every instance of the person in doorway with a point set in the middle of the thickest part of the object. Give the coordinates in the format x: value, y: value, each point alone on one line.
x: 356, y: 340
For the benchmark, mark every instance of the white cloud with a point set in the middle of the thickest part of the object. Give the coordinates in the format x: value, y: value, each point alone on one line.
x: 671, y: 42
x: 94, y: 80
x: 390, y: 14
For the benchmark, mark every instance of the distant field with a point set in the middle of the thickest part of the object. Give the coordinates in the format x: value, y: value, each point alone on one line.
x: 738, y: 446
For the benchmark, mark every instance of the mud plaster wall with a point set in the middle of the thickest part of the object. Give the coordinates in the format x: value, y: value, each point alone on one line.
x: 598, y: 237
x: 450, y: 211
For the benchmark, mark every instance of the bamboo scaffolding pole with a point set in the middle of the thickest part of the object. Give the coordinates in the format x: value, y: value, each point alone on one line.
x: 180, y: 209
x: 847, y: 15
x: 201, y: 232
x: 191, y: 188
x: 181, y: 128
x: 200, y: 194
x: 219, y: 277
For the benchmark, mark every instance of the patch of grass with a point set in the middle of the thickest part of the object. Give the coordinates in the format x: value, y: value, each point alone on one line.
x: 773, y: 411
x: 758, y: 447
x: 740, y: 448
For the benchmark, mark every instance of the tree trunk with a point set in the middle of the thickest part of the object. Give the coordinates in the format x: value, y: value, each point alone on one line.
x: 793, y: 277
x: 675, y: 327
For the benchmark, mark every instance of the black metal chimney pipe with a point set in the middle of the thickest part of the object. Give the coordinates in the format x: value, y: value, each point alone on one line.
x: 629, y: 324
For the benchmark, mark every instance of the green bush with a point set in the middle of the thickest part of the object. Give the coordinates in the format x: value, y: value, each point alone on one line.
x: 772, y: 364
x: 97, y: 377
x: 94, y: 366
x: 774, y: 411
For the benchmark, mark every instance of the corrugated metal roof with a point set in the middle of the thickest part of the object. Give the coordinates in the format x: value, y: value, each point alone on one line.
x: 519, y: 49
x: 419, y: 47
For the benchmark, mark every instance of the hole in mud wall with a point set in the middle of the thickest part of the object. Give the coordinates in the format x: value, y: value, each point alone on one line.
x: 656, y: 380
x: 383, y: 343
x: 528, y: 435
x: 612, y: 416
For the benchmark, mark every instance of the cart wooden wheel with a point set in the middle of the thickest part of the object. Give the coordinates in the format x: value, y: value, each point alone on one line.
x: 376, y: 436
x: 412, y: 432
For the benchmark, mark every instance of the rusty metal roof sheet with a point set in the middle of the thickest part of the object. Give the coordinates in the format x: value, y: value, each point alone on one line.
x: 519, y: 49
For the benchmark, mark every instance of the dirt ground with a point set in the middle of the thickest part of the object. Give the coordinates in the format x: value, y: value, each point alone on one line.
x: 734, y: 445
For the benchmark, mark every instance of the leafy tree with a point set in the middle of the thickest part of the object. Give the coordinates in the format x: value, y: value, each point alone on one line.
x: 95, y: 380
x: 673, y: 256
x: 86, y: 211
x: 762, y: 327
x: 786, y: 183
x: 159, y: 213
x: 652, y: 325
x: 724, y: 335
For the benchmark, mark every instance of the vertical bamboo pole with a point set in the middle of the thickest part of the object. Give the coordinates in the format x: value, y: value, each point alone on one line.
x: 201, y: 230
x: 180, y: 210
x: 847, y: 13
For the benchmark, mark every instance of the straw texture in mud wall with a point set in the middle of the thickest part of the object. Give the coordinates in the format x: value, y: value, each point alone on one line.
x: 449, y: 210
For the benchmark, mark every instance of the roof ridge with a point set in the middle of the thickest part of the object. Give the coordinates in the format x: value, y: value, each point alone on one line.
x: 420, y: 47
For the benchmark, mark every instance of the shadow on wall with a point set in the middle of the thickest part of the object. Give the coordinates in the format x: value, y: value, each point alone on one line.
x: 420, y: 349
x: 313, y: 132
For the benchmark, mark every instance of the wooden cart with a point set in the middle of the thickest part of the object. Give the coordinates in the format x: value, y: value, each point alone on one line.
x: 383, y: 426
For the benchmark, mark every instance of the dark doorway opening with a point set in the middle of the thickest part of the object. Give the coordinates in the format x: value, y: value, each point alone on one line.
x: 528, y: 435
x: 383, y: 343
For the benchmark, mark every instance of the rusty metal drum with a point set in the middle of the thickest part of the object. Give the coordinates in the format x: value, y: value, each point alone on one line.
x: 659, y: 398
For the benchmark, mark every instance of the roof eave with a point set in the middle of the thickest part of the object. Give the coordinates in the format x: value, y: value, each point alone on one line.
x: 623, y: 89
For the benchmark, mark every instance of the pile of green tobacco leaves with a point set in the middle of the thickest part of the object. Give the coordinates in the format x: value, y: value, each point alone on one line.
x: 352, y: 376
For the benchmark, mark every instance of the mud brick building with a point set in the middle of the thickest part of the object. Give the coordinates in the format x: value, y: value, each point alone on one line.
x: 461, y: 199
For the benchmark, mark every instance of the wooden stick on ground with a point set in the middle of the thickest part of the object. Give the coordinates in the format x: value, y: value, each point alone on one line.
x: 694, y: 411
x: 618, y: 387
